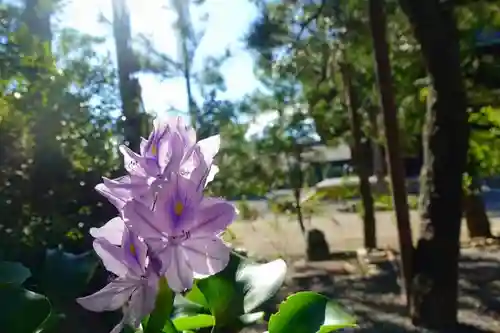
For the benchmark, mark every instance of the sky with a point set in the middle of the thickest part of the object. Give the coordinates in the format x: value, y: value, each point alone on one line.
x: 228, y: 21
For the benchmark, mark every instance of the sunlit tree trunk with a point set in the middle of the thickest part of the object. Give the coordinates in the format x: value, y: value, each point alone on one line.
x: 435, y: 286
x: 130, y: 89
x: 378, y: 155
x: 391, y: 130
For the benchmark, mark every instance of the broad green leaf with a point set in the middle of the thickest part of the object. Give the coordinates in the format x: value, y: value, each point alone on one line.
x: 65, y: 275
x: 159, y: 319
x: 239, y: 289
x: 194, y: 322
x: 21, y: 310
x: 309, y: 312
x: 13, y: 273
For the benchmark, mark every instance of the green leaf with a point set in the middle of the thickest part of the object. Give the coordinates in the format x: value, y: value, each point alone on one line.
x: 65, y: 275
x: 159, y: 319
x: 13, y: 273
x: 239, y: 289
x: 309, y: 312
x: 21, y: 310
x: 194, y: 322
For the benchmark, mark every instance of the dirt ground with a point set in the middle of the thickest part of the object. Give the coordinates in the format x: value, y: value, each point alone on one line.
x: 374, y: 299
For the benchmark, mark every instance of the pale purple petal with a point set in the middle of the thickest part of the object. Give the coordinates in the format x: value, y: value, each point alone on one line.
x: 135, y: 252
x: 209, y: 147
x: 195, y: 168
x: 170, y: 154
x: 178, y: 191
x: 213, y: 217
x: 112, y: 231
x: 214, y: 169
x: 112, y: 257
x: 142, y: 303
x: 179, y: 274
x: 133, y: 162
x: 112, y: 297
x: 207, y: 255
x: 188, y: 191
x: 142, y: 221
x: 187, y: 132
x: 143, y: 146
x: 114, y: 197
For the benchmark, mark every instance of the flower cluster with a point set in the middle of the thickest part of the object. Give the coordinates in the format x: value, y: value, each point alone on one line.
x: 166, y: 226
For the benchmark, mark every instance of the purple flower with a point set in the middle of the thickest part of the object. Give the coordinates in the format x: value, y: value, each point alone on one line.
x: 170, y: 148
x: 112, y: 231
x: 136, y: 284
x: 182, y: 230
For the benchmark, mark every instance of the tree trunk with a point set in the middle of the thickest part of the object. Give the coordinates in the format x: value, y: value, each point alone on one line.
x: 378, y: 155
x: 130, y: 89
x: 395, y: 161
x: 434, y: 299
x: 370, y: 236
x: 297, y: 181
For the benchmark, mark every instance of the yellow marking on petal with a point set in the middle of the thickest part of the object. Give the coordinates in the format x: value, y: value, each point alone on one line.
x: 178, y: 208
x: 154, y: 149
x: 132, y: 249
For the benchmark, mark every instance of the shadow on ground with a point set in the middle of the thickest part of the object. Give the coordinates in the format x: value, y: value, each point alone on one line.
x: 376, y: 300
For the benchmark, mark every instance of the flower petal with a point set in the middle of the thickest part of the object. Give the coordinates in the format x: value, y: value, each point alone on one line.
x: 112, y: 257
x: 207, y: 255
x: 214, y: 169
x: 209, y: 147
x: 116, y: 198
x: 133, y: 162
x: 142, y: 221
x: 170, y: 153
x: 112, y: 297
x: 178, y: 273
x: 214, y: 216
x: 142, y: 303
x: 143, y: 146
x: 112, y: 231
x: 135, y: 252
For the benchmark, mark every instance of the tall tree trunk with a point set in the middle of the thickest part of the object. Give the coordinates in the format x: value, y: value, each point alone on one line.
x: 351, y: 100
x: 296, y: 182
x: 395, y: 161
x: 434, y: 298
x: 130, y: 89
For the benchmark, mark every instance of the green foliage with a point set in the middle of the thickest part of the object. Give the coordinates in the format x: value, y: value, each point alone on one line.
x: 309, y: 312
x: 78, y: 270
x: 159, y: 318
x: 13, y: 273
x: 21, y: 310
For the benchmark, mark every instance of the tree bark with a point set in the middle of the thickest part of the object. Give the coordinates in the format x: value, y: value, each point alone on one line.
x: 434, y: 298
x: 395, y: 161
x: 130, y: 89
x: 378, y: 154
x: 351, y: 100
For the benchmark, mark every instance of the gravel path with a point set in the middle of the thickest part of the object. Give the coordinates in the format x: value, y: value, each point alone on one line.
x: 374, y: 300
